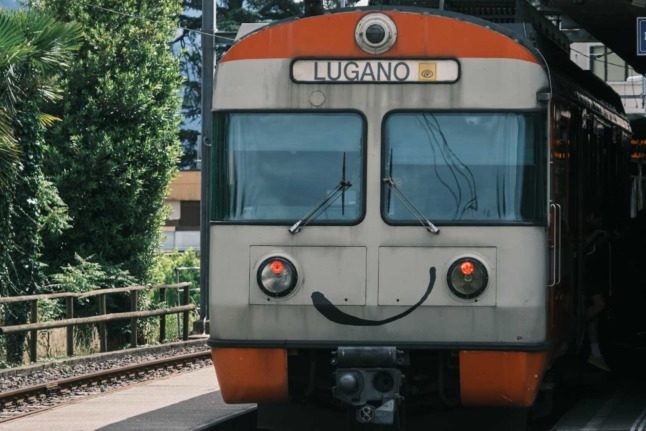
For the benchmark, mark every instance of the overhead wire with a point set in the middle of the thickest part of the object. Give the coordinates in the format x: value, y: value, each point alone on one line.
x: 594, y: 57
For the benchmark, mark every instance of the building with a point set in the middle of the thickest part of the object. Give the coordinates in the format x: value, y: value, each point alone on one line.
x: 182, y: 229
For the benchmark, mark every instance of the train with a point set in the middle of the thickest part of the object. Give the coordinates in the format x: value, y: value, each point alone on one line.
x: 403, y: 206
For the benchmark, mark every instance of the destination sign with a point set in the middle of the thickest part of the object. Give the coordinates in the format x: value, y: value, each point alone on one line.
x: 330, y: 71
x: 641, y: 36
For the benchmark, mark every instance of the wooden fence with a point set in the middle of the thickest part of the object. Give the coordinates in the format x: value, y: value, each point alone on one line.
x: 102, y: 318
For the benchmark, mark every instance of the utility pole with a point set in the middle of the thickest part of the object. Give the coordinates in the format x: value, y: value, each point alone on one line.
x: 208, y: 59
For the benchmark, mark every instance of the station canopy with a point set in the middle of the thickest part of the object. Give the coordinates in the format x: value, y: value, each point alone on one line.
x: 610, y: 22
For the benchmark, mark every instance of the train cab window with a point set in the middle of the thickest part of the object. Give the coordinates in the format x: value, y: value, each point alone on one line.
x: 465, y: 168
x: 276, y: 167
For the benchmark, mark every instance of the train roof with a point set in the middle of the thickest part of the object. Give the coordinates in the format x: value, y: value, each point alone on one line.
x: 312, y: 36
x: 582, y: 86
x: 488, y: 39
x: 504, y: 29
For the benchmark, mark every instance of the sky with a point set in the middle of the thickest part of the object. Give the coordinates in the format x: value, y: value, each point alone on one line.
x: 9, y: 4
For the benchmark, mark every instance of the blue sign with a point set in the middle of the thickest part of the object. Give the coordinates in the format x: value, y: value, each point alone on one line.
x: 641, y: 36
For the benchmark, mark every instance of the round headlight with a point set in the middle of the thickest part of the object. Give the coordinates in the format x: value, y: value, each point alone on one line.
x: 375, y: 33
x: 467, y: 277
x: 277, y: 276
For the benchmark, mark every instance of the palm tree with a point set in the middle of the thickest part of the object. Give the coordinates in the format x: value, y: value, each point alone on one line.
x: 11, y: 49
x: 34, y: 50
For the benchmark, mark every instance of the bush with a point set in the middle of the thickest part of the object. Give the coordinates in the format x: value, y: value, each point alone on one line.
x: 164, y: 271
x: 86, y: 275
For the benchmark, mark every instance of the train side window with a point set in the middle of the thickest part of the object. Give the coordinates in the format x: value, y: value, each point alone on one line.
x: 466, y: 167
x: 273, y: 167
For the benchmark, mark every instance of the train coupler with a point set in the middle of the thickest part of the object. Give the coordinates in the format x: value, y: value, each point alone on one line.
x: 367, y: 382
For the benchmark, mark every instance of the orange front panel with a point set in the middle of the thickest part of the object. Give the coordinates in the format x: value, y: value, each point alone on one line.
x: 500, y: 378
x: 418, y: 35
x: 251, y: 375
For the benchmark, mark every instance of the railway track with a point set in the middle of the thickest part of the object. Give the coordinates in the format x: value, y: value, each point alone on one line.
x: 27, y: 400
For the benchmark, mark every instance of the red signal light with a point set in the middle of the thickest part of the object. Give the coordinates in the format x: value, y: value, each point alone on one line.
x: 277, y: 267
x: 467, y: 277
x: 467, y: 268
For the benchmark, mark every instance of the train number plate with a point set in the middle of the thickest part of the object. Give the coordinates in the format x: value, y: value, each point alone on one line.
x: 331, y: 71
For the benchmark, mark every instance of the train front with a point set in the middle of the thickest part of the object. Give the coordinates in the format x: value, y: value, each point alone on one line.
x: 378, y: 214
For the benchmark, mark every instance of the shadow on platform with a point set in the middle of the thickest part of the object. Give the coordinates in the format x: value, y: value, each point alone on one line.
x: 196, y: 414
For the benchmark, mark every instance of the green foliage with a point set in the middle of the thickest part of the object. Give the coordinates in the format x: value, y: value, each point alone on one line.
x: 86, y: 275
x: 165, y: 271
x: 54, y: 215
x: 34, y: 50
x: 116, y: 148
x: 9, y: 154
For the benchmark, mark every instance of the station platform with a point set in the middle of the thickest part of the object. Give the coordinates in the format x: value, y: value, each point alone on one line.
x: 623, y: 408
x: 188, y: 401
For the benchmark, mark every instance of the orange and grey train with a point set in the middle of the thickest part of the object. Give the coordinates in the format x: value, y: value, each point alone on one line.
x: 394, y: 211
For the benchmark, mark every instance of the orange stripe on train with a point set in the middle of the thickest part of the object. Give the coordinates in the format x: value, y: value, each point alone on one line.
x: 418, y: 36
x: 491, y: 378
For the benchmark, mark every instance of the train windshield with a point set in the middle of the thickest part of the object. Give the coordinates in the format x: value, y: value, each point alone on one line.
x: 276, y: 167
x: 470, y: 168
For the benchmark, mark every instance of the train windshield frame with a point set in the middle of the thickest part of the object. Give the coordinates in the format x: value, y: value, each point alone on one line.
x: 273, y: 167
x: 465, y: 167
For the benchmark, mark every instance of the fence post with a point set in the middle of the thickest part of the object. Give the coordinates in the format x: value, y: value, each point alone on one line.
x: 69, y: 313
x: 33, y: 338
x: 162, y: 318
x: 185, y: 301
x: 133, y: 321
x: 177, y: 298
x: 103, y: 332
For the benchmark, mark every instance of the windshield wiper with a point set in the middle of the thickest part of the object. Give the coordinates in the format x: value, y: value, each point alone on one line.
x: 329, y: 198
x: 426, y: 223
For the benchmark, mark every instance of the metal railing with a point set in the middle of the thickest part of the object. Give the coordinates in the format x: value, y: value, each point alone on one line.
x: 103, y: 316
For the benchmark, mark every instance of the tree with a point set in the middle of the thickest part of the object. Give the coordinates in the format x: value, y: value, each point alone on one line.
x: 12, y: 48
x: 34, y: 50
x: 31, y: 46
x: 116, y: 149
x: 9, y: 154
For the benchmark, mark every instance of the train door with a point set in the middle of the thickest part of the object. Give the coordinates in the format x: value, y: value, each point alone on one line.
x: 563, y: 223
x: 595, y: 242
x: 594, y: 216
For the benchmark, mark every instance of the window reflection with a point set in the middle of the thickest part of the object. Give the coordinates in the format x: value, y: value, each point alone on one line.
x: 280, y: 165
x: 466, y: 167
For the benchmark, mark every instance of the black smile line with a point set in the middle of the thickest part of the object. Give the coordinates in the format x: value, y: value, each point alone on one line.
x: 331, y: 312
